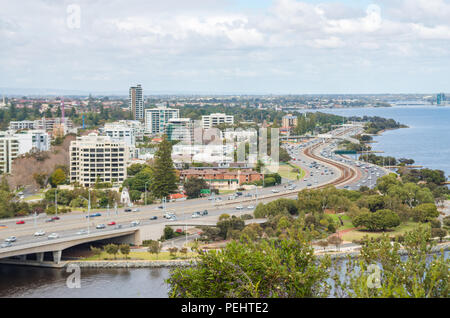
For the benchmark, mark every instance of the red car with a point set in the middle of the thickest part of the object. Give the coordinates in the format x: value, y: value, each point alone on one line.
x: 112, y: 223
x: 55, y: 218
x: 20, y: 222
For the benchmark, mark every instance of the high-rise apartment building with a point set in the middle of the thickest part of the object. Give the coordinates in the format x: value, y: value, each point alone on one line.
x: 156, y: 119
x: 95, y: 157
x: 212, y: 120
x: 9, y: 150
x: 289, y: 121
x: 136, y: 102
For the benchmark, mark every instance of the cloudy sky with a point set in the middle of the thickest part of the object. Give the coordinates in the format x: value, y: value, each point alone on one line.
x: 227, y: 46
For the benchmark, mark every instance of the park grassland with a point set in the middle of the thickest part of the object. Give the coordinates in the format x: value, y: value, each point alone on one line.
x: 400, y: 230
x: 285, y: 171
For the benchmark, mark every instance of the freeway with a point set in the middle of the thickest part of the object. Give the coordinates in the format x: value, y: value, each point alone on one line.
x: 316, y: 156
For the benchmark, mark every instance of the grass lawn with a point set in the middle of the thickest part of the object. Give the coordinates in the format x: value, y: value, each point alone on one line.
x: 38, y: 196
x: 345, y: 218
x: 141, y: 256
x: 285, y: 171
x: 401, y: 229
x: 226, y: 191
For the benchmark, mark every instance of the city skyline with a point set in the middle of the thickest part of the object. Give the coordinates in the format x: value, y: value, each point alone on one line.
x: 226, y: 47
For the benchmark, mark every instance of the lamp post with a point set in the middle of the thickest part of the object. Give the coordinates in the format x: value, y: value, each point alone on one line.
x: 56, y: 201
x: 145, y: 196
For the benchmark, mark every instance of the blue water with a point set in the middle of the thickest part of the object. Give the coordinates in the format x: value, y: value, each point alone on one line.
x: 427, y: 140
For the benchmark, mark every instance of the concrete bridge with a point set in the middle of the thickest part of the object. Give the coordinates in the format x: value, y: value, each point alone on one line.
x: 57, y: 246
x: 213, y: 223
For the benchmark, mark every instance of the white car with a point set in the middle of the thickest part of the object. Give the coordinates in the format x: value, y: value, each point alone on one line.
x: 135, y: 210
x: 81, y: 232
x: 250, y: 207
x: 239, y: 207
x: 11, y: 239
x: 39, y: 233
x: 195, y: 215
x: 275, y: 190
x: 135, y: 223
x: 53, y: 236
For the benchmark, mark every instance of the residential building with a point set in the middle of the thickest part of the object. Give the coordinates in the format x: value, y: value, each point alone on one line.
x: 222, y: 179
x: 181, y: 129
x: 33, y: 140
x: 156, y: 119
x: 289, y: 121
x: 9, y: 150
x: 48, y: 124
x: 209, y: 121
x: 95, y: 157
x: 136, y: 102
x: 120, y: 132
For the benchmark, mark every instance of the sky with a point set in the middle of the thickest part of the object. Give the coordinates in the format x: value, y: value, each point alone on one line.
x: 226, y: 46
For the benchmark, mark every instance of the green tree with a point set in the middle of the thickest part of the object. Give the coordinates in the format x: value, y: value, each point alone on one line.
x: 125, y: 250
x: 193, y: 186
x: 419, y: 274
x: 58, y: 177
x: 164, y: 178
x: 282, y: 268
x: 154, y: 247
x: 425, y: 212
x: 112, y: 249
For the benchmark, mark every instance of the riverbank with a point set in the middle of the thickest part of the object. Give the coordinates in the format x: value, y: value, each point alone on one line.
x: 133, y: 263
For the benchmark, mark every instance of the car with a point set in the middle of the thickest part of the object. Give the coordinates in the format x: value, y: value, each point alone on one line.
x: 168, y: 215
x: 172, y: 218
x: 20, y: 222
x: 239, y: 207
x: 250, y: 207
x: 205, y: 212
x: 136, y: 210
x: 55, y: 218
x: 6, y: 244
x: 51, y: 220
x: 275, y: 190
x: 100, y: 226
x: 195, y: 215
x: 39, y: 233
x: 112, y: 223
x: 309, y: 184
x: 160, y: 207
x: 93, y: 215
x: 218, y: 199
x: 128, y: 210
x: 238, y: 193
x: 154, y: 217
x: 135, y: 223
x: 81, y: 232
x: 11, y: 239
x: 178, y: 231
x: 53, y: 236
x: 118, y: 226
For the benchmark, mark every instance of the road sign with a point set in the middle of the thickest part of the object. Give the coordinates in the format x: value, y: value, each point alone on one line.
x: 205, y: 191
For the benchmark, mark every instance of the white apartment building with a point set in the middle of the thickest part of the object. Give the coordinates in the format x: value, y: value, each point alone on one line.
x: 9, y: 150
x: 45, y: 124
x: 95, y: 157
x: 33, y: 140
x: 156, y: 119
x: 119, y: 132
x: 181, y: 129
x: 212, y: 120
x: 136, y: 102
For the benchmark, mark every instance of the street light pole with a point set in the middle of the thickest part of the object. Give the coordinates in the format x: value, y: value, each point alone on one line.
x: 89, y: 211
x: 56, y: 201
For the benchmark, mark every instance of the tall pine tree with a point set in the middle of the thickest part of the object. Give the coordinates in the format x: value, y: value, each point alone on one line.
x: 164, y: 178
